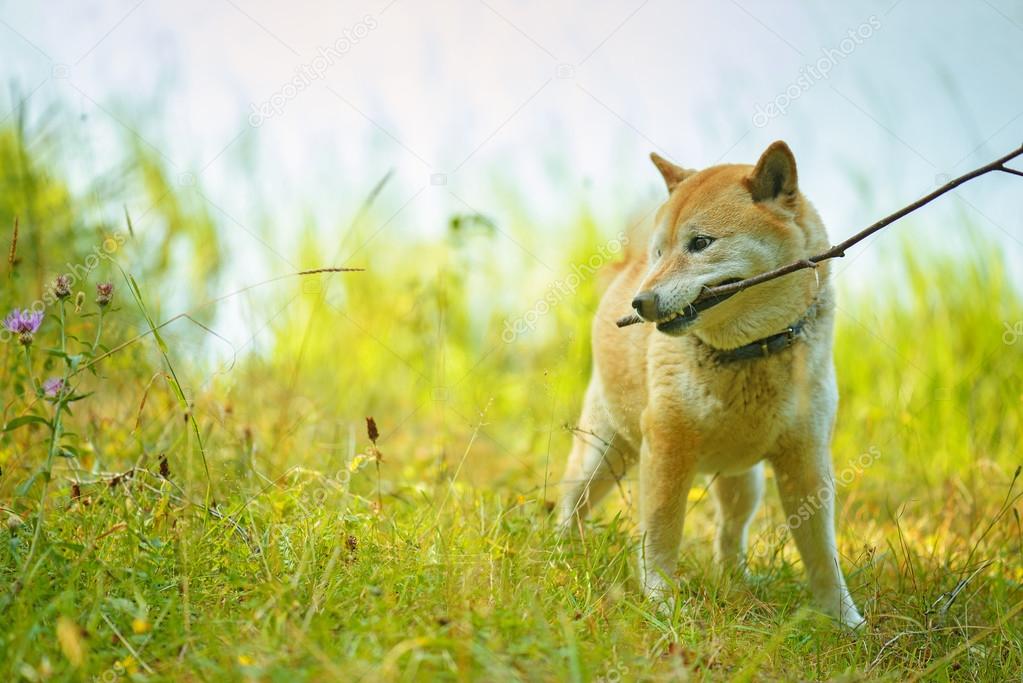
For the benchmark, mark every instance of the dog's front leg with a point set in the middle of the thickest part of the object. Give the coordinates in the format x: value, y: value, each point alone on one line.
x: 665, y: 475
x: 807, y: 489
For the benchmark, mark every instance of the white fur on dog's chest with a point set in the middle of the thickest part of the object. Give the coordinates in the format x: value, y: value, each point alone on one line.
x: 737, y: 414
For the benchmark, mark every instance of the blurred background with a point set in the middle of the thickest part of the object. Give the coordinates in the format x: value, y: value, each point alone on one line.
x: 480, y: 160
x: 471, y: 155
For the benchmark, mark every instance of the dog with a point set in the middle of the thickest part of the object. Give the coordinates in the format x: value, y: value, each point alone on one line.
x: 717, y: 390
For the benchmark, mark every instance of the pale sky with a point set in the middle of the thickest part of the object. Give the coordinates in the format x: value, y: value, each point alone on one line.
x: 532, y: 110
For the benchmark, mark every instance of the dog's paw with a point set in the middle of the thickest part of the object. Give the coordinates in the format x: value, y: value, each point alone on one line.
x: 849, y: 618
x: 663, y: 603
x: 853, y: 621
x: 659, y: 592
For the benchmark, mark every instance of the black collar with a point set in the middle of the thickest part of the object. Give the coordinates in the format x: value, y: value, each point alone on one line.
x: 762, y: 348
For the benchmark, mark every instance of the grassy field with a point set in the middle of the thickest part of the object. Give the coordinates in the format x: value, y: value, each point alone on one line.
x: 170, y: 517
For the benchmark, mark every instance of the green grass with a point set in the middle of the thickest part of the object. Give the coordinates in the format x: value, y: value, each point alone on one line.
x: 300, y: 556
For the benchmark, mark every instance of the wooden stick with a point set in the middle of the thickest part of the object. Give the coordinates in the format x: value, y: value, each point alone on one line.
x: 722, y: 292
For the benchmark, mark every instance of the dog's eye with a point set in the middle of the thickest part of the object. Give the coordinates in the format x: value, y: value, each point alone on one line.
x: 657, y: 252
x: 699, y: 243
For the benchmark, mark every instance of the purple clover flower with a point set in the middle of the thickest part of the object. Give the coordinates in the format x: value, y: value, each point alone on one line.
x: 24, y: 323
x: 62, y: 286
x: 53, y: 387
x: 104, y: 293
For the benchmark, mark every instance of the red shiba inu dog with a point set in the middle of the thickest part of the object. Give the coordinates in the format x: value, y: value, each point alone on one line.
x: 718, y: 390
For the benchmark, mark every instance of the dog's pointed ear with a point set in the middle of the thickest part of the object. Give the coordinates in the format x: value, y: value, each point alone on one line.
x: 672, y: 174
x: 775, y: 174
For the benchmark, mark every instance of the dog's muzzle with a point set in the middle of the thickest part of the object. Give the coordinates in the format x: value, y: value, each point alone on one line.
x: 646, y: 304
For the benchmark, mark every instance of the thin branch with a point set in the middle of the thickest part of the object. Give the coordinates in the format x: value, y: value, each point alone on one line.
x: 722, y: 292
x: 187, y: 314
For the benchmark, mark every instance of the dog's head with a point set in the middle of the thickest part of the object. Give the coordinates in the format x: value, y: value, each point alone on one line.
x: 723, y: 224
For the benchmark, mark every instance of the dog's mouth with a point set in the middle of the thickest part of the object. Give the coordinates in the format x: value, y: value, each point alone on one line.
x: 678, y: 322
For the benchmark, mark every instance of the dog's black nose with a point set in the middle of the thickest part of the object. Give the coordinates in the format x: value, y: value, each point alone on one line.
x: 645, y: 304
